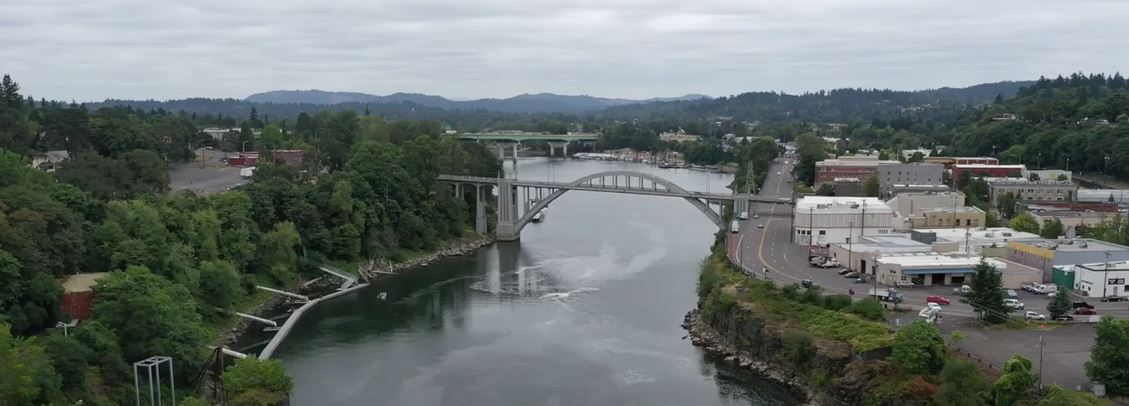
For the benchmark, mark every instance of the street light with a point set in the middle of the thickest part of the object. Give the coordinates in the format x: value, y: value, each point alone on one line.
x: 64, y: 326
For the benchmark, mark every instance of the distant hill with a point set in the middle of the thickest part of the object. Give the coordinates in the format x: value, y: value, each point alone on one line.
x: 525, y: 103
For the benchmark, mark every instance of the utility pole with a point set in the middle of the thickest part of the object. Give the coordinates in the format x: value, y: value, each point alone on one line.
x: 811, y: 229
x: 1041, y: 345
x: 850, y: 243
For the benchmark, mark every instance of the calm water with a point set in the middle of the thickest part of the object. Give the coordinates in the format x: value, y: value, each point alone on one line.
x: 585, y: 310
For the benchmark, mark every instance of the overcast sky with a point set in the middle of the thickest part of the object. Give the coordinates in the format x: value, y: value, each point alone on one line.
x: 140, y: 49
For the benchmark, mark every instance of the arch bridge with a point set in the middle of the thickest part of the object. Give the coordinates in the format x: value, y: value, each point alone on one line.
x: 519, y: 200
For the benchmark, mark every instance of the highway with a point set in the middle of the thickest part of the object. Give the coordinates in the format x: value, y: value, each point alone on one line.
x: 771, y: 247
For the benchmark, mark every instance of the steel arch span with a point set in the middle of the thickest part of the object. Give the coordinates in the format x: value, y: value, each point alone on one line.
x: 635, y: 183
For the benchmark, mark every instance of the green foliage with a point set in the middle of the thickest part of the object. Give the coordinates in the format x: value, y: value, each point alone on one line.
x: 1006, y: 204
x: 1052, y: 229
x: 257, y: 377
x: 987, y: 295
x: 69, y: 358
x: 1060, y: 304
x: 811, y: 149
x: 193, y: 401
x: 870, y: 186
x: 1109, y: 362
x: 798, y: 349
x: 135, y: 173
x: 962, y: 385
x: 151, y: 315
x: 1059, y: 396
x: 837, y: 302
x: 919, y: 348
x: 1016, y: 384
x: 220, y: 284
x: 1024, y: 222
x: 26, y: 376
x: 825, y: 189
x: 869, y: 308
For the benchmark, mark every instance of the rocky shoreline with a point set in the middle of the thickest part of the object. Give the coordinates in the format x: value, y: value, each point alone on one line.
x: 462, y: 246
x: 704, y: 336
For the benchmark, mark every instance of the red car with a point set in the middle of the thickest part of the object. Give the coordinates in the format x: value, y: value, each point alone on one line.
x: 938, y: 300
x: 1085, y: 311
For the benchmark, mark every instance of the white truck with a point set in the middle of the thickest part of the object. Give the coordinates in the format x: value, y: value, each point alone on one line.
x: 829, y: 263
x: 886, y: 295
x: 247, y: 172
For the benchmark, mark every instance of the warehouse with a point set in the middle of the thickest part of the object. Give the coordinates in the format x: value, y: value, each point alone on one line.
x: 1044, y: 254
x: 860, y: 256
x: 1103, y: 280
x: 934, y: 269
x: 824, y: 220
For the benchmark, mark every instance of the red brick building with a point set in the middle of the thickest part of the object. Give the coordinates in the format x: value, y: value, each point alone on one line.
x: 988, y: 171
x: 244, y: 159
x: 949, y: 162
x: 859, y: 167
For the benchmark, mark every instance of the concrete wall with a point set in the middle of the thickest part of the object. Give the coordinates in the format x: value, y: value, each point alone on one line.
x: 1015, y: 275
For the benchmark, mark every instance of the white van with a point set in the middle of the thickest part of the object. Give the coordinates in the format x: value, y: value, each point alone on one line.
x: 734, y: 226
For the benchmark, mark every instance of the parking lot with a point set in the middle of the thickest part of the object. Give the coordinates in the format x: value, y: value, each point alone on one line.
x: 208, y: 174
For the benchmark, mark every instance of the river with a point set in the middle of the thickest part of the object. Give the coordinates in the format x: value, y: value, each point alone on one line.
x: 584, y: 310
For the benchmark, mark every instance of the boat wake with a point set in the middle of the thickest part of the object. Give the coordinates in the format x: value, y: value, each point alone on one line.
x: 566, y: 295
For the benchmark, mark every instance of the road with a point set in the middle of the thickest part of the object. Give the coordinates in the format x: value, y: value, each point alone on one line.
x: 755, y: 248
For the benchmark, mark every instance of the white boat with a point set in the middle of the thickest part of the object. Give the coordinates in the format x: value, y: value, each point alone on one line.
x: 540, y: 215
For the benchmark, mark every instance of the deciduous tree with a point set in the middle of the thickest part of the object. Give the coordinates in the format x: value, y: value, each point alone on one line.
x: 919, y: 348
x: 1109, y: 362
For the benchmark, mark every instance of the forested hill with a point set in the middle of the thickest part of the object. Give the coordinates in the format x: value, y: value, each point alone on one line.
x: 840, y: 105
x: 525, y: 103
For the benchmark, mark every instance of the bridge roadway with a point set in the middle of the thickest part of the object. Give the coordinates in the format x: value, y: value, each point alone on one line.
x: 590, y: 186
x: 526, y: 137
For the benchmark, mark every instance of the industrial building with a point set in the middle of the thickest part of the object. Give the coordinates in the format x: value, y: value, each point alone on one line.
x: 1102, y: 279
x: 1044, y: 254
x: 949, y: 162
x: 908, y: 174
x: 933, y: 269
x: 910, y: 210
x: 824, y: 220
x: 1027, y: 190
x: 861, y: 254
x: 945, y: 217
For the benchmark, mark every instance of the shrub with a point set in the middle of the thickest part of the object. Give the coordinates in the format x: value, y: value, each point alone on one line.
x: 868, y: 308
x: 919, y: 348
x: 797, y: 348
x: 836, y: 302
x: 250, y: 375
x: 961, y: 385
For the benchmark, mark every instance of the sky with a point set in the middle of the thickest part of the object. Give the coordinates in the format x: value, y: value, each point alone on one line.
x: 155, y: 49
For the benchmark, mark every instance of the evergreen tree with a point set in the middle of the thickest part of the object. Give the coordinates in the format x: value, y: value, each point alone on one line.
x: 1060, y: 304
x: 987, y: 295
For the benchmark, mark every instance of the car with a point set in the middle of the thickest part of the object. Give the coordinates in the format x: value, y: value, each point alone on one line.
x: 903, y: 284
x: 1013, y: 304
x: 756, y: 216
x: 1065, y: 317
x: 941, y: 300
x: 844, y: 271
x: 760, y: 225
x: 932, y: 305
x: 743, y: 216
x: 778, y: 173
x: 1052, y: 295
x: 807, y: 283
x: 1011, y: 293
x: 1034, y: 316
x: 861, y: 279
x: 1113, y: 299
x: 1080, y: 305
x: 851, y: 274
x: 1085, y: 311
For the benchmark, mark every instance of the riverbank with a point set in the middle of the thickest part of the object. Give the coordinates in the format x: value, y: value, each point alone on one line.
x: 704, y: 336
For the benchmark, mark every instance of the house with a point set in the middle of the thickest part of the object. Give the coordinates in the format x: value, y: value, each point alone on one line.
x: 50, y: 160
x: 78, y: 294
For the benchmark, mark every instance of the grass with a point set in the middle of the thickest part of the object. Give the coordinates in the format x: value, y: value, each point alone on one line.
x: 719, y: 281
x: 1017, y: 323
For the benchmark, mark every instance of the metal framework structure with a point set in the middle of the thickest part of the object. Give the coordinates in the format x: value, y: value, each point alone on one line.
x: 519, y: 200
x: 152, y: 366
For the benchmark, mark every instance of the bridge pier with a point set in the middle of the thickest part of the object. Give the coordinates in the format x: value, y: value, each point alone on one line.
x: 553, y: 145
x: 479, y: 211
x: 509, y: 216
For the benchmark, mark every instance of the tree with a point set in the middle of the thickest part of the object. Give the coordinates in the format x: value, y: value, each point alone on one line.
x: 26, y: 375
x: 987, y: 294
x: 1109, y: 362
x: 1051, y: 229
x: 69, y: 358
x: 277, y: 251
x: 916, y: 157
x: 1059, y: 305
x: 1016, y: 383
x: 962, y: 384
x: 825, y: 189
x: 220, y: 284
x: 1025, y: 222
x: 1006, y: 204
x: 254, y: 375
x: 151, y: 315
x: 870, y: 187
x: 919, y: 348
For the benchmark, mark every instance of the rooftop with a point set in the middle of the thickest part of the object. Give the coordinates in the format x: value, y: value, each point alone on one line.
x: 1023, y: 181
x: 851, y: 204
x: 1075, y: 245
x: 937, y: 261
x: 867, y: 161
x: 975, y: 166
x: 82, y: 282
x: 985, y: 236
x: 1102, y: 266
x: 958, y: 209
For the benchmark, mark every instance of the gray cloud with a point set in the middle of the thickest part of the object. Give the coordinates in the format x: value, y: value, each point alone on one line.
x: 91, y: 50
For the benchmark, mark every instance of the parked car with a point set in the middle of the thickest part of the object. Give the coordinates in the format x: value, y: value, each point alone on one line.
x: 1113, y: 299
x: 941, y: 300
x: 1080, y: 305
x: 962, y: 289
x: 756, y: 216
x: 903, y: 284
x: 861, y: 279
x: 760, y: 225
x: 743, y: 216
x: 1065, y: 317
x: 1013, y: 304
x: 1086, y: 311
x: 851, y: 274
x: 807, y: 283
x: 932, y: 305
x: 817, y: 260
x: 1011, y: 293
x: 844, y: 271
x: 830, y: 263
x: 1034, y: 316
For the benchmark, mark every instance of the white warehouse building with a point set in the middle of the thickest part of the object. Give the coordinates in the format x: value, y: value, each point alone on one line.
x: 826, y: 220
